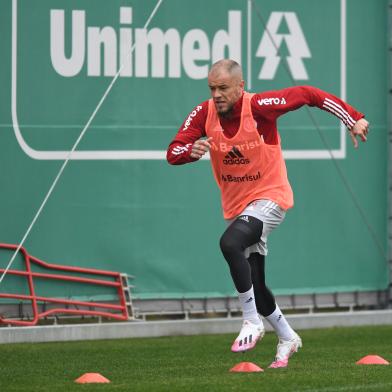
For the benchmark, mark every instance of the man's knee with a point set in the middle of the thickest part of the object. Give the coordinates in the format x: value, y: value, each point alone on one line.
x: 240, y: 235
x: 229, y: 243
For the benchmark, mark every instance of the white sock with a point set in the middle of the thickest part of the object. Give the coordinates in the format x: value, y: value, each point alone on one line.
x: 280, y: 324
x: 248, y: 305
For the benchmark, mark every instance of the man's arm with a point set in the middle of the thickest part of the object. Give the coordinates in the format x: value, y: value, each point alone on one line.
x: 186, y: 146
x: 272, y: 104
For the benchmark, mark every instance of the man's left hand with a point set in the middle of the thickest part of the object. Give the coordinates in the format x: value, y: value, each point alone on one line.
x: 360, y: 129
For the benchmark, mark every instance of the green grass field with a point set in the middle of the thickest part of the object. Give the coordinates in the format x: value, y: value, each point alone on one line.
x: 326, y: 363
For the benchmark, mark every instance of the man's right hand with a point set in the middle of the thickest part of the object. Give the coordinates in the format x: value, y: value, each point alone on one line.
x: 200, y: 147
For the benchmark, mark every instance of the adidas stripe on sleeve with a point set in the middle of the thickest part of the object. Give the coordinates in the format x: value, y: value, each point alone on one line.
x: 337, y: 109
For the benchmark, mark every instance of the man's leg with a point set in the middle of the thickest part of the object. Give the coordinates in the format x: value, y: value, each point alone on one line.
x: 289, y: 341
x: 265, y: 300
x: 242, y: 233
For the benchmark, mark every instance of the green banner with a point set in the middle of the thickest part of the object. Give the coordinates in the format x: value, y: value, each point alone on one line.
x: 120, y: 206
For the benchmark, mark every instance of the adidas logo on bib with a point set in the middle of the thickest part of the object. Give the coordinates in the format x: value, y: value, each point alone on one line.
x: 244, y: 218
x: 234, y: 157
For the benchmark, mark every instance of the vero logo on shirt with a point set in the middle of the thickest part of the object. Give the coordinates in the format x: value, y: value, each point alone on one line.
x: 191, y: 116
x: 271, y: 101
x: 234, y: 157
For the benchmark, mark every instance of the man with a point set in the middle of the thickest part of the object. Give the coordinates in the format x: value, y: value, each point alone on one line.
x: 240, y: 132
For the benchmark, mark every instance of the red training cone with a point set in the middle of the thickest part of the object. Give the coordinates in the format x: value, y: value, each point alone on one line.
x: 89, y: 378
x: 246, y: 367
x: 372, y: 360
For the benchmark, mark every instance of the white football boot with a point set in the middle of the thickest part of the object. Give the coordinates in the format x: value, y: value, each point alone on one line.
x: 286, y: 348
x: 249, y: 335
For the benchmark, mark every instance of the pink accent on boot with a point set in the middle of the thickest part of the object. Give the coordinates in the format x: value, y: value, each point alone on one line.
x: 239, y: 346
x: 248, y: 337
x: 279, y: 364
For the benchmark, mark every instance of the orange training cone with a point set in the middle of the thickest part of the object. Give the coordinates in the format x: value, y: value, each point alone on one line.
x: 246, y: 367
x: 372, y: 360
x: 89, y: 378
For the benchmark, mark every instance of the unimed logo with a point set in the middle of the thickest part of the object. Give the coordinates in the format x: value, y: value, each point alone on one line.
x: 160, y: 54
x: 191, y: 53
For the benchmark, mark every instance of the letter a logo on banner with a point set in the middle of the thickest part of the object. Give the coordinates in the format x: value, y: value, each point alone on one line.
x: 295, y: 41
